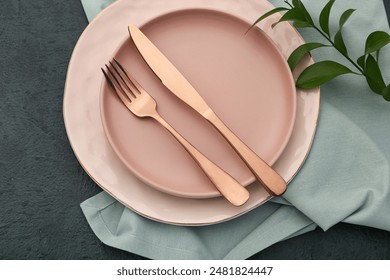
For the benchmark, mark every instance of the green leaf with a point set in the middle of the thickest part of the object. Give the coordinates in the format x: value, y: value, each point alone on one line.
x: 339, y: 43
x: 345, y: 16
x: 293, y: 14
x: 386, y: 93
x: 267, y: 14
x: 301, y: 24
x: 299, y: 52
x: 338, y: 38
x: 361, y: 61
x: 299, y: 5
x: 376, y: 40
x: 324, y: 17
x: 374, y: 76
x: 320, y: 73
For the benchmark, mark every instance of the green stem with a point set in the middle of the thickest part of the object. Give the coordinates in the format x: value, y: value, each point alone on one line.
x: 347, y: 57
x: 359, y: 74
x: 291, y: 6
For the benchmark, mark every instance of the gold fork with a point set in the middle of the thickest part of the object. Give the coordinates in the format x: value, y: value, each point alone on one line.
x: 141, y: 104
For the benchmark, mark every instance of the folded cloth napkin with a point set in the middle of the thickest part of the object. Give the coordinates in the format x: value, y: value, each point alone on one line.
x: 345, y: 178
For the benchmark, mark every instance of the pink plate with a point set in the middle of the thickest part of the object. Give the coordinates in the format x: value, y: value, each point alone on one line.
x: 87, y: 137
x: 243, y: 77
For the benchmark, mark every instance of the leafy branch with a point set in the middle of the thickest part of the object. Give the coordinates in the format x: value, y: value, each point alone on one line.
x: 321, y: 72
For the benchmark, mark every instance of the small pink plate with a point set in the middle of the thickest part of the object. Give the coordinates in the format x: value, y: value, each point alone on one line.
x: 243, y: 77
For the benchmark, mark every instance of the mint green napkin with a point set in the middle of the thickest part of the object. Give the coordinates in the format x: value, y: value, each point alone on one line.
x: 344, y: 179
x: 92, y: 8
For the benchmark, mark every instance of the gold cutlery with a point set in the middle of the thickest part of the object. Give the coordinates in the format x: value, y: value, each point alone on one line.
x: 178, y: 85
x: 141, y: 104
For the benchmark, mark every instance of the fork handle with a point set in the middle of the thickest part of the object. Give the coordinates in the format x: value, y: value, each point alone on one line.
x: 232, y: 190
x: 269, y: 178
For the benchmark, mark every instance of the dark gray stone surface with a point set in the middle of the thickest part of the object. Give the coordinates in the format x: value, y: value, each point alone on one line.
x: 41, y: 182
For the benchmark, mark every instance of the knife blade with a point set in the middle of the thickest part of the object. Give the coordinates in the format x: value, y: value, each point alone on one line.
x: 171, y: 77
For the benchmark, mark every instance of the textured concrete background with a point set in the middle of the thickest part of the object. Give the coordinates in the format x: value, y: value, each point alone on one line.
x: 41, y: 182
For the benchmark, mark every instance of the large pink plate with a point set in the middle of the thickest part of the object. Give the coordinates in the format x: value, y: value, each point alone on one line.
x: 243, y: 77
x: 87, y: 137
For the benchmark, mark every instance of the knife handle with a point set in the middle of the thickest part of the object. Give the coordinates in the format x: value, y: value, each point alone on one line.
x: 269, y: 178
x: 232, y: 190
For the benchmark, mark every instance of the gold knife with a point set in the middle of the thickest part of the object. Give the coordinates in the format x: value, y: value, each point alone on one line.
x: 178, y: 85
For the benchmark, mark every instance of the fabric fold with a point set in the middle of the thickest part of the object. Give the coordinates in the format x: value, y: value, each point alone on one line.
x: 347, y: 187
x: 119, y: 227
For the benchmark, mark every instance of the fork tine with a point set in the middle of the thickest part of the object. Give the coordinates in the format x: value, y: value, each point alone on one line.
x: 139, y: 88
x: 124, y: 79
x: 118, y: 79
x: 114, y: 81
x: 116, y: 87
x: 108, y: 79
